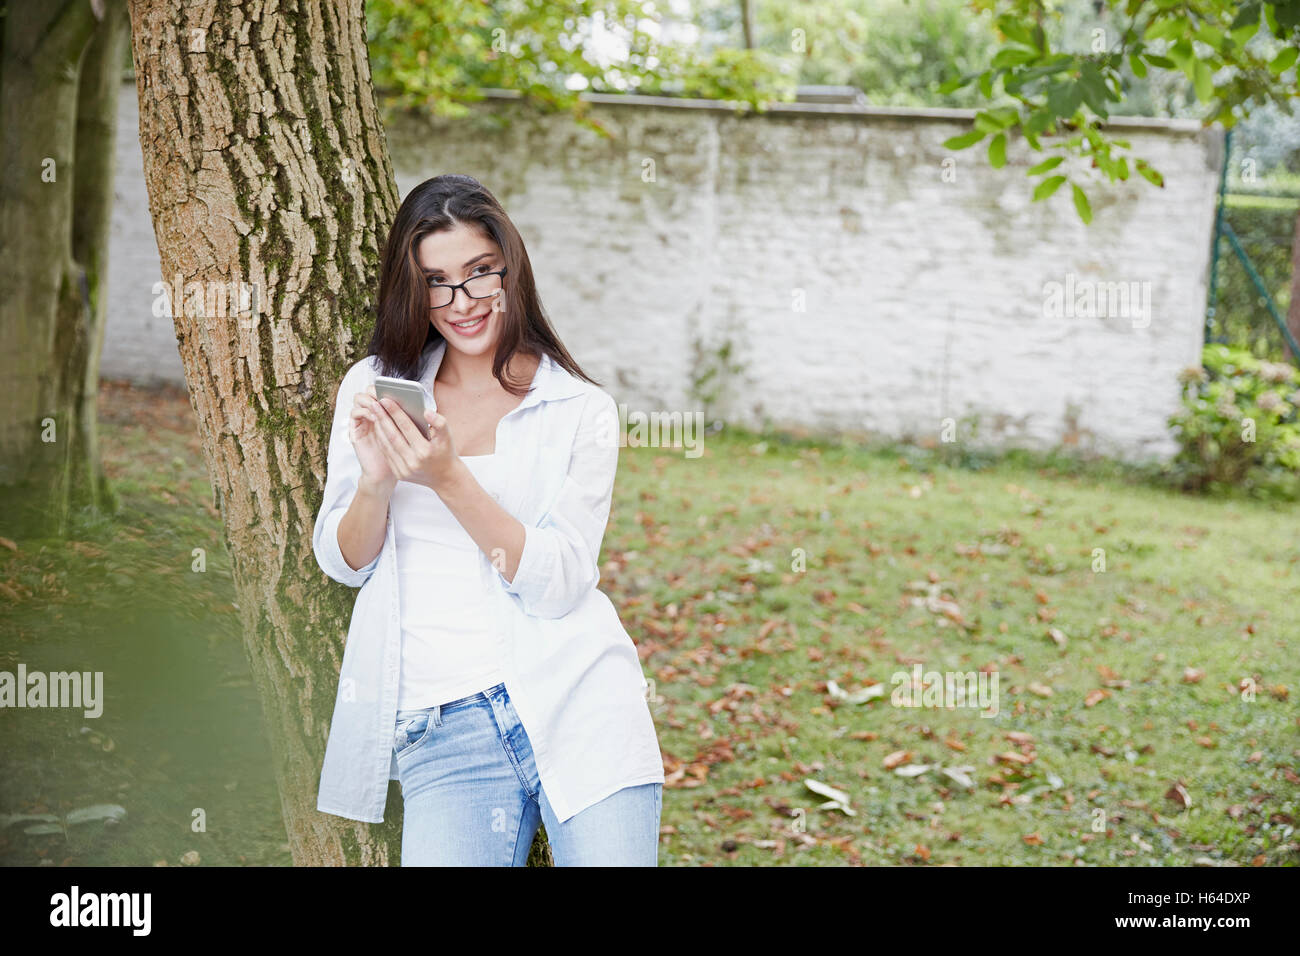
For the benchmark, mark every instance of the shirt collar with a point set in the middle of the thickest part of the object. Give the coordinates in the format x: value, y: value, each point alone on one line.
x: 551, y: 382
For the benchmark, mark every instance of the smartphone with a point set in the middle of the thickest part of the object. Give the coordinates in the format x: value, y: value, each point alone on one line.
x: 406, y: 393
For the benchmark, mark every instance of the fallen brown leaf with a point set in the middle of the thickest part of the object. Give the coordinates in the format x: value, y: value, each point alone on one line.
x: 1095, y: 697
x: 897, y: 759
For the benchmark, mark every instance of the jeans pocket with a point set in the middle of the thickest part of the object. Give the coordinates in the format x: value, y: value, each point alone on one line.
x: 410, y: 731
x: 510, y: 710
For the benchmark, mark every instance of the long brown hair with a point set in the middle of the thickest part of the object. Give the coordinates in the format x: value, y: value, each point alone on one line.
x: 402, y: 326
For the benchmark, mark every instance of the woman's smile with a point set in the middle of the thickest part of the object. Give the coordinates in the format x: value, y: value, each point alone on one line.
x: 472, y: 326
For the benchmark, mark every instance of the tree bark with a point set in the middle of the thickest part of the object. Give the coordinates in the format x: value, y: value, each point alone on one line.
x: 1293, y: 311
x: 45, y: 311
x: 747, y: 23
x: 268, y: 170
x: 92, y: 213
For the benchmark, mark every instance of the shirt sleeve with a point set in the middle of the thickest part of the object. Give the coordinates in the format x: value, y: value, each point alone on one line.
x: 343, y: 471
x: 558, y: 566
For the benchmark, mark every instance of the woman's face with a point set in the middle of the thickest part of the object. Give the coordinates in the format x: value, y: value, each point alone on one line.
x: 456, y: 255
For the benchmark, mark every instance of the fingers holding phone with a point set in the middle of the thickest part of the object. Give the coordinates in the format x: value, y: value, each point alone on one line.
x: 363, y: 428
x: 415, y: 439
x: 407, y: 395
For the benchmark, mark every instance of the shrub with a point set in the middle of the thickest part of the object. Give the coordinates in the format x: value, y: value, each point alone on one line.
x: 1238, y: 426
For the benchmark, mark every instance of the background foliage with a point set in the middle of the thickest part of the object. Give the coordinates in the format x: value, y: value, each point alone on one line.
x: 1231, y: 393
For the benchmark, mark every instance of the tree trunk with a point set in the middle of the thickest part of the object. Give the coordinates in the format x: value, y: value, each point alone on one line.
x: 747, y: 23
x: 1293, y: 311
x: 268, y: 173
x: 92, y: 213
x: 46, y: 310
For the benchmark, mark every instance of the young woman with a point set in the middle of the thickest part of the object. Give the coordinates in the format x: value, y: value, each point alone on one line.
x: 483, y: 669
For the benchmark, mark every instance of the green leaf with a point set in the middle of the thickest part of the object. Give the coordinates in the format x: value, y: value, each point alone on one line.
x: 1047, y: 187
x: 998, y: 151
x: 1013, y: 56
x: 1165, y: 28
x: 1244, y: 34
x: 1044, y: 166
x: 1040, y: 38
x: 1270, y: 20
x: 956, y: 83
x: 1081, y: 205
x: 1015, y: 30
x: 964, y: 140
x: 1283, y: 60
x: 1210, y: 35
x: 1149, y: 173
x: 1139, y: 68
x: 1249, y: 16
x: 1204, y: 81
x: 993, y: 121
x: 1008, y: 116
x: 1161, y: 61
x: 1093, y: 88
x: 1064, y: 98
x: 1183, y: 54
x: 1062, y: 61
x: 1038, y: 122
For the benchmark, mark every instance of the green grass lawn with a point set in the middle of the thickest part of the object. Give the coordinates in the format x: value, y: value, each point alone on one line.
x: 182, y: 728
x: 1115, y: 687
x: 1141, y: 713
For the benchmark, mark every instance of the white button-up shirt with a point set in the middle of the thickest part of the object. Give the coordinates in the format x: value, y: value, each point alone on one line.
x: 571, y: 668
x: 449, y: 623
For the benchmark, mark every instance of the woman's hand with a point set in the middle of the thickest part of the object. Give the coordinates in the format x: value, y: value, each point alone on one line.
x: 363, y: 431
x: 431, y: 461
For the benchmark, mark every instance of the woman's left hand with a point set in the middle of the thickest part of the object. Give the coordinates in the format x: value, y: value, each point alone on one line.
x: 412, y: 457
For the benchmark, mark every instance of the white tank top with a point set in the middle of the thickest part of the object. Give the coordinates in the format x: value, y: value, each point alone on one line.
x: 449, y: 639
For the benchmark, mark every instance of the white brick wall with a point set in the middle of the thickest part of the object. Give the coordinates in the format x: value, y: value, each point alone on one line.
x: 924, y: 298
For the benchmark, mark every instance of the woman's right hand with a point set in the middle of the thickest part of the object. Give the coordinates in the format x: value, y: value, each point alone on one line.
x: 362, y: 430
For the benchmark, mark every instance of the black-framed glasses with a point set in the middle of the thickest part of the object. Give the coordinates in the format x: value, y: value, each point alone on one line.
x: 482, y: 286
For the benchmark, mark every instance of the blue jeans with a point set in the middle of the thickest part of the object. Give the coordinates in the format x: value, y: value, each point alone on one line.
x: 471, y: 795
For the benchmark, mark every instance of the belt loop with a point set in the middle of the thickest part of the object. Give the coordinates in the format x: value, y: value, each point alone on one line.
x: 436, y: 715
